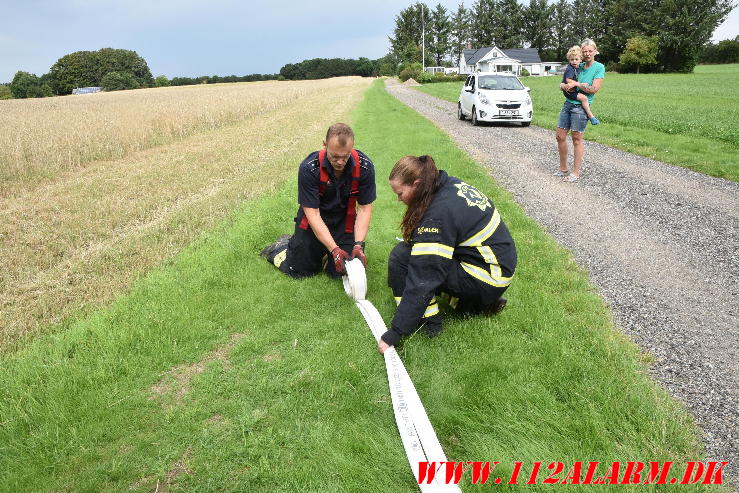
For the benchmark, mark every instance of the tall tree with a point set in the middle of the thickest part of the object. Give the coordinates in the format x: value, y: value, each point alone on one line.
x: 625, y: 19
x: 460, y: 34
x: 563, y: 35
x: 484, y: 17
x: 508, y: 30
x: 408, y: 29
x: 588, y: 20
x: 439, y: 30
x: 87, y: 68
x: 685, y: 27
x: 539, y: 24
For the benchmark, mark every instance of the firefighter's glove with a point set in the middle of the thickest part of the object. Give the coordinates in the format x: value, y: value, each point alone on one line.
x: 339, y: 256
x: 358, y: 252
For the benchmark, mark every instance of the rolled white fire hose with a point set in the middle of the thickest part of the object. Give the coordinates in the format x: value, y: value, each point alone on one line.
x: 416, y: 432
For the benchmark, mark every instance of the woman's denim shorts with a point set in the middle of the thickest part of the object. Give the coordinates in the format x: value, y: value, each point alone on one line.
x: 572, y: 117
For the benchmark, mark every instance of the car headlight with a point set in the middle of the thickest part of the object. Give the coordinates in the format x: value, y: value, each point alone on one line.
x: 482, y: 98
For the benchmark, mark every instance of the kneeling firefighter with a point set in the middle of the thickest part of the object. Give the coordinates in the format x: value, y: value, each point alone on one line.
x: 336, y: 188
x: 455, y: 246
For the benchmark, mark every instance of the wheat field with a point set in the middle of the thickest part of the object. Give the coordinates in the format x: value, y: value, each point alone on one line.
x: 97, y: 189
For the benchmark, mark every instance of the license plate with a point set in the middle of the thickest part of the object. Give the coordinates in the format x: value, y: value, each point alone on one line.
x: 509, y: 112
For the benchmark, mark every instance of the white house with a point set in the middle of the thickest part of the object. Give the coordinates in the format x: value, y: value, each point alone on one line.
x: 512, y: 60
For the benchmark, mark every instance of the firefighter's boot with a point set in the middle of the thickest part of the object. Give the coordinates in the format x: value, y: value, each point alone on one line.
x: 273, y: 249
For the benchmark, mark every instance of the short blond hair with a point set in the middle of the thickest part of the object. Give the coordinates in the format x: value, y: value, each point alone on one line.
x: 575, y: 51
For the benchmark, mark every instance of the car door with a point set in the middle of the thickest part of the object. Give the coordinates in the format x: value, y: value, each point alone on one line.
x: 468, y: 94
x: 463, y: 95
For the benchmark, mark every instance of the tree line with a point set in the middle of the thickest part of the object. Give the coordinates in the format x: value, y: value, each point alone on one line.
x: 676, y: 32
x: 726, y: 51
x: 109, y: 68
x: 323, y: 68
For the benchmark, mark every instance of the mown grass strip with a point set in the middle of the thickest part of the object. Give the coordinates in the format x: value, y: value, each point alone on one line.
x: 683, y: 119
x: 298, y: 401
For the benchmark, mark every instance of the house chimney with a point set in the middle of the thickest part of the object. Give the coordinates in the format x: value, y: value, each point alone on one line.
x: 469, y: 46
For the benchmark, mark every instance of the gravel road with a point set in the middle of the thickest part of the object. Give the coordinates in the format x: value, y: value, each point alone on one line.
x: 660, y: 243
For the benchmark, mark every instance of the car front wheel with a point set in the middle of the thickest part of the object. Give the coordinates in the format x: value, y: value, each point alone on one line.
x: 460, y: 115
x: 525, y: 124
x: 475, y: 122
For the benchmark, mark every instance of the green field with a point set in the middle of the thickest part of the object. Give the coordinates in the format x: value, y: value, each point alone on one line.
x: 684, y: 119
x: 218, y: 373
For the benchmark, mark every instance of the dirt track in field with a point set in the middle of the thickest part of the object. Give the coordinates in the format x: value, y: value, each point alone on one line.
x: 660, y: 243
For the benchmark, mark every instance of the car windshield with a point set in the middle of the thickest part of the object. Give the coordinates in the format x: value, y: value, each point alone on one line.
x: 499, y: 82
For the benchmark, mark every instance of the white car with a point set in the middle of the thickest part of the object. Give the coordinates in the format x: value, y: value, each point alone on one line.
x: 494, y: 97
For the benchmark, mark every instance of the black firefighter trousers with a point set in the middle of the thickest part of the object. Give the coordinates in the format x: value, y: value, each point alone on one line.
x: 304, y: 254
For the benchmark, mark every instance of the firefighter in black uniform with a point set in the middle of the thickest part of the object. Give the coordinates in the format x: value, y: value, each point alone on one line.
x: 456, y: 247
x: 336, y: 188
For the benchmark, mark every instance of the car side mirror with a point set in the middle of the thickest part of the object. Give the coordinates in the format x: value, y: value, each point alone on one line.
x: 528, y: 89
x: 469, y: 89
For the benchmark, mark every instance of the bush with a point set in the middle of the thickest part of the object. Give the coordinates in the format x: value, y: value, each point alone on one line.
x: 424, y: 77
x: 408, y: 73
x: 447, y: 78
x: 5, y: 92
x: 119, y: 81
x: 524, y: 72
x: 161, y: 81
x: 613, y: 66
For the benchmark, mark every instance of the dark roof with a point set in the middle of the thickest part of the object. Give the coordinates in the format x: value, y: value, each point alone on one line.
x: 527, y: 55
x: 473, y: 56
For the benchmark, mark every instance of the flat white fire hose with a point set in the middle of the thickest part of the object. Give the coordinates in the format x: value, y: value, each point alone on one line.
x: 416, y: 431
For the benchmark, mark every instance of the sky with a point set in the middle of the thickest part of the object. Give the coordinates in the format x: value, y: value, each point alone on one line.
x: 214, y: 37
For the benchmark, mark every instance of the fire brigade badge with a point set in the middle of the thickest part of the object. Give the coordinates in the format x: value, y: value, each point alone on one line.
x: 473, y: 196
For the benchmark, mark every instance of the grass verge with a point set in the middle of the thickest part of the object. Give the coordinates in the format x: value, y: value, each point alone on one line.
x: 683, y: 119
x: 217, y: 373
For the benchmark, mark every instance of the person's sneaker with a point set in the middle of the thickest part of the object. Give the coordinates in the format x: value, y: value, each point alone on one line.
x: 559, y: 172
x: 271, y: 249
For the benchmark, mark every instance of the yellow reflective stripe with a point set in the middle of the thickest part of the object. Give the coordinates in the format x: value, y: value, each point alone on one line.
x: 432, y: 249
x: 495, y: 271
x: 279, y: 258
x: 431, y: 310
x: 397, y: 300
x: 487, y: 254
x: 484, y: 276
x: 478, y: 238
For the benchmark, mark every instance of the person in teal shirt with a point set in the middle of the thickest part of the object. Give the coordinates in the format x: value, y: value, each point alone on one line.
x: 572, y: 118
